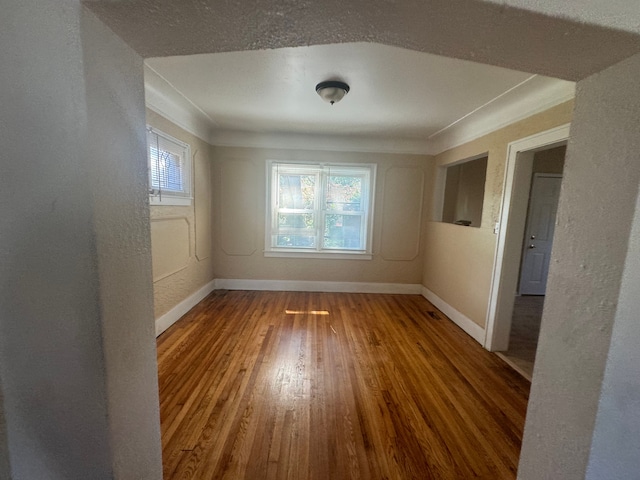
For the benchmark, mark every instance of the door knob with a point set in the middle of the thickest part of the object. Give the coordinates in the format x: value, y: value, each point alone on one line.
x: 532, y: 246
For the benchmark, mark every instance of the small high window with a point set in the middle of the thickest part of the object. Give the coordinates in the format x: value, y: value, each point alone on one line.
x: 169, y: 163
x: 464, y: 192
x: 319, y: 209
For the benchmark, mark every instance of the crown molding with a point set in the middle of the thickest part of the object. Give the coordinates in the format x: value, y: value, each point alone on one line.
x: 533, y: 96
x: 300, y: 141
x: 164, y: 99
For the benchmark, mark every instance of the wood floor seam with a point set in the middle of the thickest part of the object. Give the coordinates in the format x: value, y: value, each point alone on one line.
x: 305, y: 385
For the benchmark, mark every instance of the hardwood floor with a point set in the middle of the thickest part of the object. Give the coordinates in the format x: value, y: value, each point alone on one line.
x: 275, y: 385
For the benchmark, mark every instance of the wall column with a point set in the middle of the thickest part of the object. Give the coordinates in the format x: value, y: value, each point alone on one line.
x: 586, y: 297
x: 77, y: 346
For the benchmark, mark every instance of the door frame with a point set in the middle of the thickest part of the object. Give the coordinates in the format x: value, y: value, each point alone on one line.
x: 515, y: 199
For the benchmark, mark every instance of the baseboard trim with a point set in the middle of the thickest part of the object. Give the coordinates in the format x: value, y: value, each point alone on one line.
x: 172, y: 316
x: 474, y: 330
x: 311, y: 286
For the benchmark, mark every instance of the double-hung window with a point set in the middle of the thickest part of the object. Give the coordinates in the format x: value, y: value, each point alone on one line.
x: 169, y: 163
x: 319, y: 209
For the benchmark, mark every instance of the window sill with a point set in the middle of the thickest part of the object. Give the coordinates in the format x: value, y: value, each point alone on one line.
x: 320, y: 255
x: 168, y: 200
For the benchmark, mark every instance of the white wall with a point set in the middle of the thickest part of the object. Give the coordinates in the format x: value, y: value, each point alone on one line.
x: 77, y: 351
x: 588, y: 296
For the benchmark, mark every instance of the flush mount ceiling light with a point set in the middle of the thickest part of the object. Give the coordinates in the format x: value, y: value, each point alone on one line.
x: 332, y: 91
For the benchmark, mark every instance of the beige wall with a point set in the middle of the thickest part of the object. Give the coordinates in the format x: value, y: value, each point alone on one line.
x: 458, y: 261
x: 222, y: 234
x: 181, y: 245
x: 239, y: 219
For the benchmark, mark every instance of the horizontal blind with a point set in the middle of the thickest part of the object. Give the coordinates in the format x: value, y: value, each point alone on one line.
x: 167, y: 165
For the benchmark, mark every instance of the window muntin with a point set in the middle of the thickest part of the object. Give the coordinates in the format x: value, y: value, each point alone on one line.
x: 169, y: 162
x: 319, y: 208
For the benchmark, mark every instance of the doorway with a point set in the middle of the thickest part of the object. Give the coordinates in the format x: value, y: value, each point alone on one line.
x: 546, y: 178
x: 505, y: 286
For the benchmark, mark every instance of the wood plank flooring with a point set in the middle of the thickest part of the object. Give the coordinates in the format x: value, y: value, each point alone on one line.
x: 290, y: 385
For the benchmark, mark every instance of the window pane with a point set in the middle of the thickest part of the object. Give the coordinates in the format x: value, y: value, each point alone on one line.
x: 295, y: 221
x: 298, y: 241
x: 343, y: 231
x: 344, y: 193
x: 296, y: 191
x: 166, y: 170
x: 296, y: 230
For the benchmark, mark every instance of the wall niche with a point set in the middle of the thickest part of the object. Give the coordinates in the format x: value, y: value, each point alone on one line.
x: 464, y: 192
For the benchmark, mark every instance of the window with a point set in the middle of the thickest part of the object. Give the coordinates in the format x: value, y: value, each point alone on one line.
x: 319, y: 209
x: 464, y: 192
x: 169, y: 169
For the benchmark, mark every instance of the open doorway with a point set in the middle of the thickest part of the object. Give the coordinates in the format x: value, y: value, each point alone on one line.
x: 546, y: 177
x: 506, y: 281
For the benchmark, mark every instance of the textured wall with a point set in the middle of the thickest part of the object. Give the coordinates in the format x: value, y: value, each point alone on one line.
x: 616, y: 443
x: 77, y: 350
x: 116, y: 153
x: 4, y: 448
x: 240, y: 210
x: 595, y: 213
x: 459, y: 260
x: 51, y: 357
x: 181, y: 237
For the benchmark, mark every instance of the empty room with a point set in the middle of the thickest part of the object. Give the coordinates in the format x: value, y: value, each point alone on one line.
x: 367, y: 226
x: 294, y: 240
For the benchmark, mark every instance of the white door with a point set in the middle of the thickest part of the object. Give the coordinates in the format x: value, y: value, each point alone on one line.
x: 538, y: 239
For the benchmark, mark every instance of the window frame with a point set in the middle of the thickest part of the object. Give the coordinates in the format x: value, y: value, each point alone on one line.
x: 322, y: 170
x: 158, y: 197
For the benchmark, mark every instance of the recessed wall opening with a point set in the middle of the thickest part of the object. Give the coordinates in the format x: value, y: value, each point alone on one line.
x: 464, y: 191
x: 544, y: 189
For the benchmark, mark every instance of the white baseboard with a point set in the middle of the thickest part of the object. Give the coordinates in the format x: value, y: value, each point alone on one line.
x: 474, y: 330
x: 172, y: 316
x: 311, y: 286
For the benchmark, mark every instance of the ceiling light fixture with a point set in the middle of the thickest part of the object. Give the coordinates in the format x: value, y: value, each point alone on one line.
x: 332, y: 91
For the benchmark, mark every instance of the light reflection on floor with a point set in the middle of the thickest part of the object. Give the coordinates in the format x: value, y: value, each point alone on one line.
x: 309, y: 312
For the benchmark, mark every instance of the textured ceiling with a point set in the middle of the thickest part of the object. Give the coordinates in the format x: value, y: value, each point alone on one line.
x: 614, y: 14
x: 485, y: 32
